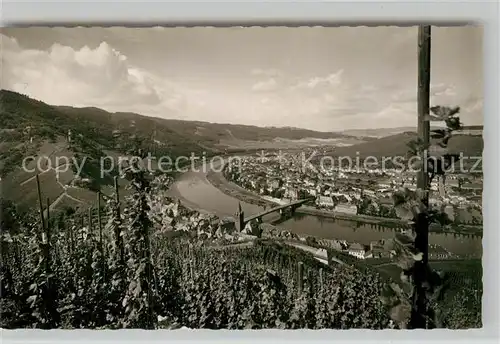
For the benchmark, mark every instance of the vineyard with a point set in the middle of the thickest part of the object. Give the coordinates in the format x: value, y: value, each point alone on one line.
x: 461, y: 300
x: 128, y: 273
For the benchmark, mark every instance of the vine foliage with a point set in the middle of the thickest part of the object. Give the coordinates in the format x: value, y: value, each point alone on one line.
x: 411, y: 304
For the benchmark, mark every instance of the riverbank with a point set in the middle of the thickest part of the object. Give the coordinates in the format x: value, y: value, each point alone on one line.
x: 229, y: 188
x: 236, y: 191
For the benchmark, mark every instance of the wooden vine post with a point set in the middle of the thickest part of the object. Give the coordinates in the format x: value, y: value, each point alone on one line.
x: 90, y: 234
x: 117, y: 195
x: 99, y: 223
x: 48, y: 216
x: 44, y: 233
x: 118, y: 239
x: 300, y: 277
x: 321, y: 279
x: 40, y: 203
x: 422, y: 221
x: 48, y: 231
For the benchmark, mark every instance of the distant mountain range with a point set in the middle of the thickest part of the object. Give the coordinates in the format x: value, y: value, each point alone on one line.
x: 396, y: 145
x: 383, y: 132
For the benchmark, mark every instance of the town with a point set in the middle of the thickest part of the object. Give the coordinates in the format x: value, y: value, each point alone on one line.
x: 353, y: 191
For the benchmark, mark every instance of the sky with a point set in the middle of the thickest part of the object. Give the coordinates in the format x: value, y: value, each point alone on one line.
x: 318, y: 78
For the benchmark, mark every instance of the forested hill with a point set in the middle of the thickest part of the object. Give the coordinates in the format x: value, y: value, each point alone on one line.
x: 33, y: 128
x: 396, y: 145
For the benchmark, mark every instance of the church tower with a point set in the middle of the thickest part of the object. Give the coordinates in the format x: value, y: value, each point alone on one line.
x: 240, y: 218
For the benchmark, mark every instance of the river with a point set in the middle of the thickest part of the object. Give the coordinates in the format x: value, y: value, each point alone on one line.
x: 195, y: 191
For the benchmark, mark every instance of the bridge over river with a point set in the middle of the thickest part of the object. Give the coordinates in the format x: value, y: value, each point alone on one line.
x: 242, y: 221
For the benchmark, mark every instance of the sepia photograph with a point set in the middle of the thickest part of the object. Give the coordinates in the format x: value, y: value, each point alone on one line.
x: 241, y: 177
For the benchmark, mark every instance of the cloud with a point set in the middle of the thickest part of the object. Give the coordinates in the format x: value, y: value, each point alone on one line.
x: 266, y: 85
x: 331, y: 97
x: 63, y: 75
x: 192, y: 73
x: 443, y: 90
x: 333, y: 79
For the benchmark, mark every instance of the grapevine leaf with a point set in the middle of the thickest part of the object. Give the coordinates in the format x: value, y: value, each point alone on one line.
x: 437, y: 151
x: 403, y: 212
x: 416, y: 165
x: 453, y: 123
x: 399, y: 197
x: 444, y: 112
x: 400, y: 314
x: 31, y: 299
x: 404, y: 239
x: 438, y: 133
x: 421, y: 194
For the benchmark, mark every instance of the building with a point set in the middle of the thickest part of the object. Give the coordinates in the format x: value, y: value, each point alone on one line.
x: 325, y: 201
x: 438, y: 252
x: 378, y: 250
x: 369, y: 192
x: 472, y: 186
x: 346, y: 208
x: 291, y: 193
x: 240, y: 219
x: 331, y: 243
x: 357, y: 250
x: 450, y: 211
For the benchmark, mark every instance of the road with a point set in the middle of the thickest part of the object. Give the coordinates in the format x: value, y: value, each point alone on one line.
x: 316, y: 252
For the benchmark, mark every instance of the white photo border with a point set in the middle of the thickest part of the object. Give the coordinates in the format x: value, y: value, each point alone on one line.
x: 297, y: 13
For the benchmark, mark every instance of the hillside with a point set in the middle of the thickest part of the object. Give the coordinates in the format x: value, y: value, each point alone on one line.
x: 33, y: 128
x: 396, y: 145
x: 232, y: 135
x: 374, y: 133
x: 95, y: 126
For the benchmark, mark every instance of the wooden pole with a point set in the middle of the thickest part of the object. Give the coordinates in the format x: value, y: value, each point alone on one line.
x: 118, y: 238
x: 117, y: 194
x: 44, y: 244
x: 423, y: 129
x: 47, y: 230
x: 48, y: 214
x: 300, y: 277
x: 99, y: 223
x: 40, y: 203
x: 90, y: 222
x: 71, y: 238
x: 310, y: 277
x: 321, y: 279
